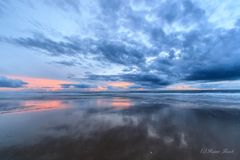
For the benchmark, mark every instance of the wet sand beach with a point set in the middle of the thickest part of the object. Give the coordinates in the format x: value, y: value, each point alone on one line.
x: 120, y: 126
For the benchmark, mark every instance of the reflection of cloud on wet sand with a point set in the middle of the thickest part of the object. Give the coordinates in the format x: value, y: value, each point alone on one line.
x: 42, y: 104
x: 35, y: 105
x: 95, y: 129
x: 116, y: 103
x: 166, y: 133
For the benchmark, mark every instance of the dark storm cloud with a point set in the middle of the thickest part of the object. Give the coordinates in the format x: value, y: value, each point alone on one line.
x: 113, y: 51
x: 216, y: 74
x: 158, y: 43
x: 47, y: 45
x: 142, y: 80
x: 11, y: 83
x: 118, y: 52
x: 216, y: 57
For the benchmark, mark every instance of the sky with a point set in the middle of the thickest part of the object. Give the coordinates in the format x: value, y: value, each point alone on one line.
x: 105, y: 45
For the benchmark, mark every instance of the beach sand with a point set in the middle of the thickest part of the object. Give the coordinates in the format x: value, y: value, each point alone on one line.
x: 133, y: 126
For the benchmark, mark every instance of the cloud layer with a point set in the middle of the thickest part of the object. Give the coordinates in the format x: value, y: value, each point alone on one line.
x: 154, y: 43
x: 11, y: 83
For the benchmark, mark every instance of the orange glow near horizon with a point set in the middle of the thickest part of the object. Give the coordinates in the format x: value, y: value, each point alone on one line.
x: 120, y: 84
x: 46, y: 84
x: 41, y: 83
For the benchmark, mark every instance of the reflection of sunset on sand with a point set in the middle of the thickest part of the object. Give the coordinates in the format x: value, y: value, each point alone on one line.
x: 40, y: 105
x: 116, y: 103
x: 43, y: 104
x: 121, y: 103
